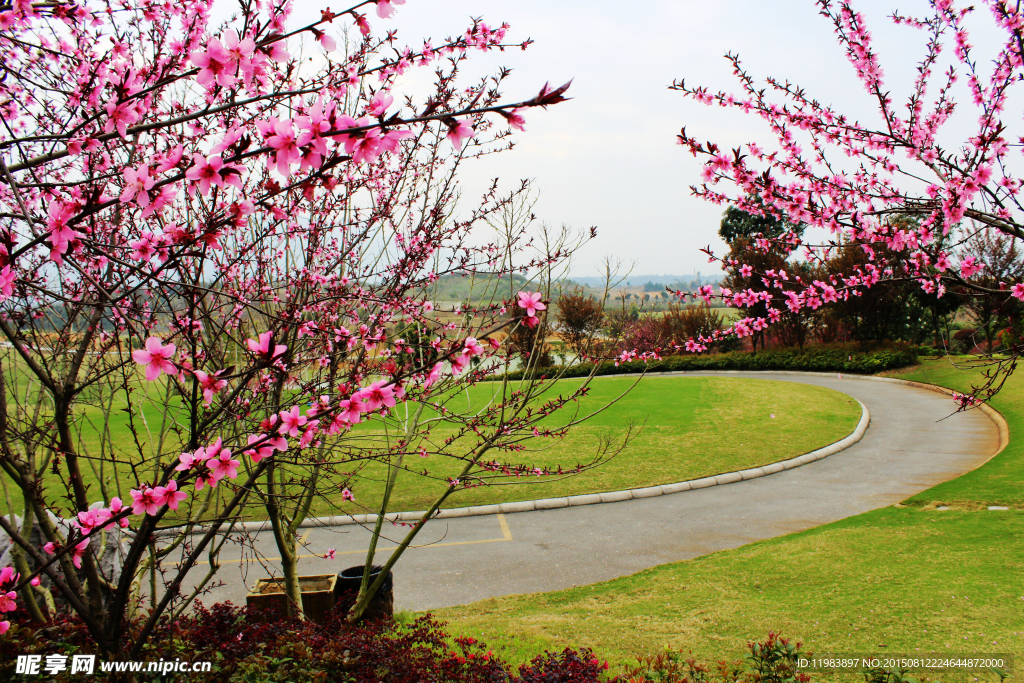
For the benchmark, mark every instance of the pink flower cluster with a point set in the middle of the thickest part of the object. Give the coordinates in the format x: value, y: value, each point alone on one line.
x: 531, y: 302
x: 149, y: 500
x: 210, y: 463
x: 92, y: 519
x: 8, y: 579
x: 232, y: 56
x: 77, y: 553
x: 828, y: 171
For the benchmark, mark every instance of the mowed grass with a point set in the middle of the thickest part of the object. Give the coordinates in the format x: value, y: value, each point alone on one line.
x: 678, y: 425
x: 99, y: 439
x: 682, y: 423
x: 901, y: 580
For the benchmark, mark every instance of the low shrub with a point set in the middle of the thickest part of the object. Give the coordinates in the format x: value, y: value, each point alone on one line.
x: 848, y: 358
x: 567, y: 666
x: 773, y: 660
x: 247, y: 646
x: 964, y: 340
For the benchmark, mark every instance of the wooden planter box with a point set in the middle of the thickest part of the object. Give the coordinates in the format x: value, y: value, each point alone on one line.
x: 317, y: 596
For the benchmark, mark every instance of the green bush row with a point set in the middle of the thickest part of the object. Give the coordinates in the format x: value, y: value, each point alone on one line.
x: 819, y: 358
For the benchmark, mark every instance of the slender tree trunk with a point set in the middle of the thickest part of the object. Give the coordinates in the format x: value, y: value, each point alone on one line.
x: 22, y: 566
x: 284, y: 537
x: 290, y: 568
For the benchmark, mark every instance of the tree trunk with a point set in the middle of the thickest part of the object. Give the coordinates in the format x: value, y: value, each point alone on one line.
x: 22, y: 566
x: 284, y: 537
x: 292, y: 588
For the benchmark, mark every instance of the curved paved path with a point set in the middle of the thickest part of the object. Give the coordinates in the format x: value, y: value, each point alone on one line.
x: 908, y: 448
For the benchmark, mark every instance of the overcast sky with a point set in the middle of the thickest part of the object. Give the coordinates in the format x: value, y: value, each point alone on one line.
x: 608, y: 157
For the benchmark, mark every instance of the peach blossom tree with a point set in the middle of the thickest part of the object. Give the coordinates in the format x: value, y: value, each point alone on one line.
x: 928, y: 173
x: 218, y: 244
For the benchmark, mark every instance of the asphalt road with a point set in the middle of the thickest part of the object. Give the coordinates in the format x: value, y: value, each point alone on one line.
x: 908, y: 448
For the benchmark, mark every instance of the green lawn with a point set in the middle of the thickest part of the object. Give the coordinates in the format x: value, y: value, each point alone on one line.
x: 683, y: 420
x: 900, y: 580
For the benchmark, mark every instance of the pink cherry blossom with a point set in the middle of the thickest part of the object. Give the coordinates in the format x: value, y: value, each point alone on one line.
x: 1017, y: 291
x: 78, y: 553
x: 144, y: 248
x: 216, y: 65
x: 379, y: 104
x: 205, y: 479
x: 292, y: 421
x: 8, y: 576
x: 207, y: 171
x: 458, y: 131
x: 531, y: 302
x: 120, y: 116
x: 330, y: 554
x: 362, y: 23
x: 117, y: 507
x: 210, y: 384
x: 223, y: 465
x: 89, y: 519
x: 145, y: 501
x: 473, y: 347
x: 353, y: 409
x: 969, y: 267
x: 385, y: 9
x: 7, y: 599
x: 515, y: 119
x: 7, y: 279
x: 312, y: 429
x: 262, y: 347
x: 433, y: 375
x: 137, y: 184
x: 377, y: 395
x: 267, y: 447
x: 346, y: 494
x: 285, y: 143
x: 328, y: 42
x: 189, y: 460
x: 170, y: 494
x: 156, y: 357
x: 239, y: 51
x: 165, y: 162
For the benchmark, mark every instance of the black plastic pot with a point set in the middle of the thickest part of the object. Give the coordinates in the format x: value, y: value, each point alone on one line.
x: 382, y: 605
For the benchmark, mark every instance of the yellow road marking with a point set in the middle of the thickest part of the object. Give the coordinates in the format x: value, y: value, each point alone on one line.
x: 506, y: 535
x: 305, y: 537
x: 504, y: 527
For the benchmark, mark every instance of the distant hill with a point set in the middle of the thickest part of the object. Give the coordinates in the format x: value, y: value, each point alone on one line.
x: 641, y: 280
x: 481, y: 288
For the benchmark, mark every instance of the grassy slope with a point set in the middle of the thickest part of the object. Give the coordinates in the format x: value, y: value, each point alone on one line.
x: 679, y: 440
x: 682, y: 418
x: 910, y: 579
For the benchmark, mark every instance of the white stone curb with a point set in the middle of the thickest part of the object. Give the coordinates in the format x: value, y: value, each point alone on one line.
x: 593, y: 498
x: 650, y: 491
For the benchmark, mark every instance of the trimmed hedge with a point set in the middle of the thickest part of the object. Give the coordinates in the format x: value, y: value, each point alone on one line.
x: 847, y: 358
